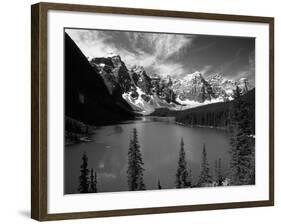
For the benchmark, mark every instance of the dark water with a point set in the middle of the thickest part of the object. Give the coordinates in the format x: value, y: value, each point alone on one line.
x: 160, y: 144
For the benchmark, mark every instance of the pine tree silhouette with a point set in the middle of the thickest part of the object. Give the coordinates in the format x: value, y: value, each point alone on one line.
x: 215, y: 174
x: 218, y: 173
x: 135, y: 165
x: 220, y: 177
x: 183, y: 179
x: 205, y: 177
x: 93, y: 182
x: 96, y: 182
x: 242, y: 163
x: 159, y: 185
x: 83, y: 178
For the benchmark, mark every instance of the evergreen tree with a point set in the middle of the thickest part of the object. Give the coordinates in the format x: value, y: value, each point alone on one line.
x: 233, y: 130
x: 96, y: 182
x: 251, y: 175
x: 205, y: 177
x: 183, y: 179
x: 83, y: 178
x: 93, y: 182
x: 159, y: 185
x: 242, y: 163
x: 220, y: 177
x: 215, y: 174
x: 135, y: 165
x: 218, y: 173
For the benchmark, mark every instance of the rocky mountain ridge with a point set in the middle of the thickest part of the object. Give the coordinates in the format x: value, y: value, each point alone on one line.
x: 144, y: 92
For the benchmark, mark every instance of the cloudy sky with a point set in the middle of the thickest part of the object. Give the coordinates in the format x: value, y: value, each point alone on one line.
x: 172, y: 54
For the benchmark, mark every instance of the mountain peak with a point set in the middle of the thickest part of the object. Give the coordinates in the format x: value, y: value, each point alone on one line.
x: 243, y: 80
x: 193, y: 76
x: 112, y: 54
x: 196, y: 74
x: 216, y: 78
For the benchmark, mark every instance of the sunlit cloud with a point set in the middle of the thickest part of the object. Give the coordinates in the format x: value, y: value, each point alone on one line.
x: 171, y: 54
x: 150, y: 50
x: 91, y: 43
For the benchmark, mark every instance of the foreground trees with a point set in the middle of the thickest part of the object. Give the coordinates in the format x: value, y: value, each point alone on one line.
x: 86, y: 184
x: 159, y: 185
x: 242, y: 163
x: 218, y: 178
x: 135, y: 165
x: 183, y: 178
x: 93, y: 182
x: 205, y: 178
x: 83, y: 178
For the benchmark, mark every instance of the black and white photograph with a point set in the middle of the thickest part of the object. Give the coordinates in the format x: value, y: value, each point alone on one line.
x: 157, y: 111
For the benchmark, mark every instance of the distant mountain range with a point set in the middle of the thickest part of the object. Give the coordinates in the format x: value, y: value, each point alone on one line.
x: 144, y: 92
x: 104, y: 90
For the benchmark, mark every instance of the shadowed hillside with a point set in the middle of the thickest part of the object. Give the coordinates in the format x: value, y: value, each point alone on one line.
x: 216, y: 114
x: 86, y: 96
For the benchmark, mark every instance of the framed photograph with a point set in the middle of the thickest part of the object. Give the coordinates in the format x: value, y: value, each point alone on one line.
x: 139, y: 111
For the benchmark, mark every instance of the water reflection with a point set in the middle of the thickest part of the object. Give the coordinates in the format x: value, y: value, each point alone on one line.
x: 118, y: 129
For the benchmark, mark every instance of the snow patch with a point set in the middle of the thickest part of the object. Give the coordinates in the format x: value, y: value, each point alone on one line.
x: 186, y: 104
x: 139, y: 103
x: 146, y: 107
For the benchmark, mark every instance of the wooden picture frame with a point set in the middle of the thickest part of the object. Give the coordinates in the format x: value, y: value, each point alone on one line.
x: 39, y: 109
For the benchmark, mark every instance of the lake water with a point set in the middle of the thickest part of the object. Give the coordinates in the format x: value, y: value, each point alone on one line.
x: 159, y: 139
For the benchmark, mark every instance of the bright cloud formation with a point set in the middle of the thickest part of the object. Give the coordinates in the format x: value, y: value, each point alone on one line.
x: 150, y: 50
x: 171, y: 54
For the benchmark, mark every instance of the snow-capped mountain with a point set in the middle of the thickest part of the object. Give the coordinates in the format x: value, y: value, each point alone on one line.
x: 193, y: 87
x: 146, y: 92
x: 114, y: 73
x: 224, y: 87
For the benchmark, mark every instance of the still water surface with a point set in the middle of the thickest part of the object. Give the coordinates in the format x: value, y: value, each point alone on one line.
x: 159, y: 139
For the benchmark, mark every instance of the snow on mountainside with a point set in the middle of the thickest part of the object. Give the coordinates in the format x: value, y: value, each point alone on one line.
x: 193, y: 87
x: 143, y: 104
x: 224, y: 87
x: 145, y: 93
x: 186, y: 104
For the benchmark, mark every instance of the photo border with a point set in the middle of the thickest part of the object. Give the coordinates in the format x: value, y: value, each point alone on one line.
x: 39, y: 190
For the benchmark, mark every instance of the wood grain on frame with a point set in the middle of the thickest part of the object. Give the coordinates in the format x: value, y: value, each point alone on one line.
x: 39, y: 203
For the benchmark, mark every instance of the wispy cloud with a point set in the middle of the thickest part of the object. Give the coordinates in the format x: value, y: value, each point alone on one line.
x: 249, y: 70
x: 91, y: 43
x: 151, y: 50
x: 172, y: 54
x: 206, y: 69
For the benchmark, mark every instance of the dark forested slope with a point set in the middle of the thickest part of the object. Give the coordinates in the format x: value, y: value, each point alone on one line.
x: 87, y: 98
x: 217, y: 114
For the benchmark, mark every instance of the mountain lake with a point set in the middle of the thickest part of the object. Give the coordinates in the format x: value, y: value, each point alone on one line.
x: 159, y: 138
